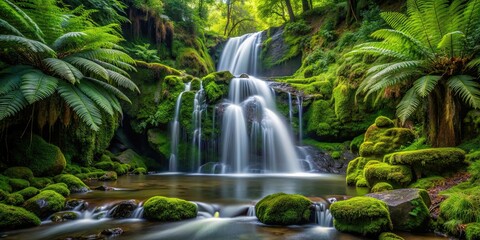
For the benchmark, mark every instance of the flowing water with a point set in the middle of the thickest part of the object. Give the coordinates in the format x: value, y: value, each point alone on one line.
x: 173, y: 162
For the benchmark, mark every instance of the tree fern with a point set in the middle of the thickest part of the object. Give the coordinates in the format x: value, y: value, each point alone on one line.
x: 122, y: 81
x: 110, y: 89
x: 409, y: 104
x: 89, y: 67
x: 424, y: 85
x: 98, y: 95
x: 32, y: 45
x: 12, y: 103
x: 467, y: 88
x: 63, y: 69
x: 37, y: 86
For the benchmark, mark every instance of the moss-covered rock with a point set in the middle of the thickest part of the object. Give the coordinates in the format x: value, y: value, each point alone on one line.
x: 45, y: 203
x: 190, y: 60
x: 121, y: 168
x: 64, y: 216
x: 14, y: 199
x: 430, y: 161
x: 60, y: 188
x: 283, y: 209
x: 28, y: 192
x: 132, y: 158
x: 389, y: 236
x: 355, y: 170
x: 159, y: 141
x: 169, y: 209
x: 16, y: 217
x: 41, y: 182
x: 380, y: 141
x: 381, y: 186
x: 384, y: 122
x: 428, y: 182
x: 4, y: 184
x: 397, y: 175
x: 19, y: 172
x: 74, y: 183
x: 216, y: 86
x: 361, y: 215
x: 18, y: 184
x: 408, y: 208
x: 108, y: 176
x: 139, y: 171
x: 44, y: 159
x: 472, y: 231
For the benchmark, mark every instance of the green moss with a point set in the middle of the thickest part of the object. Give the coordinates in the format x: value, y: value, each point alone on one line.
x: 362, y: 215
x: 380, y: 141
x: 384, y: 122
x: 16, y: 217
x: 397, y: 175
x: 336, y: 154
x: 355, y: 170
x: 472, y: 231
x: 42, y: 158
x: 28, y: 192
x: 389, y: 236
x: 14, y: 199
x: 461, y: 206
x: 190, y: 60
x: 283, y: 209
x: 94, y: 174
x: 4, y: 184
x: 132, y: 158
x: 60, y: 188
x: 343, y: 96
x: 45, y: 203
x: 356, y: 142
x: 121, y: 168
x: 169, y: 209
x: 19, y: 172
x: 420, y: 217
x: 72, y: 169
x: 428, y: 182
x: 381, y: 186
x: 64, y: 216
x: 361, y: 182
x: 139, y: 171
x: 431, y: 161
x: 40, y: 182
x: 159, y: 141
x: 108, y: 176
x: 74, y: 184
x: 18, y: 184
x: 104, y: 164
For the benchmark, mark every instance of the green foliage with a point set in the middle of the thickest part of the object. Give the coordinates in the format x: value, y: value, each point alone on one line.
x: 4, y: 185
x: 472, y: 231
x: 45, y: 203
x: 28, y: 192
x: 108, y: 176
x: 362, y: 215
x: 139, y: 171
x: 381, y: 186
x: 18, y: 184
x: 41, y: 182
x: 143, y: 52
x: 355, y: 170
x: 60, y: 188
x: 356, y: 142
x: 389, y: 236
x: 19, y: 172
x: 428, y: 182
x: 169, y: 209
x: 190, y: 60
x: 283, y: 209
x: 14, y: 199
x: 16, y: 217
x: 132, y: 158
x: 74, y: 184
x: 461, y: 207
x: 397, y: 175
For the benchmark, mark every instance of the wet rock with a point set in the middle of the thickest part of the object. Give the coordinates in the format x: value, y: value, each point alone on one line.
x: 283, y: 209
x: 123, y: 209
x: 109, y: 176
x: 112, y: 231
x: 104, y: 188
x: 244, y: 75
x: 323, y: 162
x: 76, y: 204
x: 63, y: 216
x: 408, y: 208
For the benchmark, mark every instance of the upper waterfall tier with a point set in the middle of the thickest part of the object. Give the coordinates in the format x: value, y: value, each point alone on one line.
x: 241, y: 54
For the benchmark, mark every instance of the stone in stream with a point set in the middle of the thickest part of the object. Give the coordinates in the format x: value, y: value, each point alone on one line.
x: 76, y: 204
x: 123, y: 209
x: 63, y: 216
x: 112, y: 232
x: 408, y: 208
x: 104, y: 188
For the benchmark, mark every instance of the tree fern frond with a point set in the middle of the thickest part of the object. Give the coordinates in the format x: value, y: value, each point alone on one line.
x: 62, y: 40
x: 9, y: 29
x: 107, y: 55
x: 378, y: 52
x: 452, y: 42
x: 403, y: 37
x: 12, y: 103
x: 113, y: 68
x: 471, y: 17
x: 123, y: 81
x: 396, y: 67
x: 19, y: 17
x: 10, y: 78
x: 437, y: 18
x: 34, y: 46
x: 426, y: 84
x: 37, y: 86
x: 110, y: 89
x: 408, y: 105
x: 63, y: 69
x: 467, y: 88
x: 475, y: 63
x: 83, y: 106
x: 88, y: 66
x: 392, y: 80
x: 98, y: 95
x: 395, y: 20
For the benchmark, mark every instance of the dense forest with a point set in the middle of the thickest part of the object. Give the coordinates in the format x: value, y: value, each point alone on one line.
x: 384, y: 94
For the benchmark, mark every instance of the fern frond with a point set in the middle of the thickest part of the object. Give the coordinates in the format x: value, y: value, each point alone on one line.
x: 10, y: 78
x: 88, y: 66
x: 467, y: 88
x: 426, y: 84
x: 36, y: 86
x: 64, y: 39
x: 9, y: 29
x: 437, y: 18
x: 83, y: 106
x: 113, y: 68
x: 110, y: 89
x: 408, y: 105
x: 32, y: 45
x: 123, y: 81
x: 63, y: 69
x: 97, y: 95
x: 18, y: 18
x: 12, y: 103
x: 451, y: 42
x: 391, y: 80
x: 107, y: 55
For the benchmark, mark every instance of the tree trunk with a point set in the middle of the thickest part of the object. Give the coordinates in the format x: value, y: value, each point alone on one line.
x: 290, y: 10
x: 305, y: 5
x: 443, y: 118
x: 229, y: 15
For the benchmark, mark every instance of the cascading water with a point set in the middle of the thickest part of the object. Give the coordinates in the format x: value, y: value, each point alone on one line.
x: 199, y: 105
x: 300, y: 118
x: 254, y: 137
x: 176, y: 132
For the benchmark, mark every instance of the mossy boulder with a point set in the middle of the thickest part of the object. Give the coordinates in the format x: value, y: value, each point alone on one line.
x: 159, y: 141
x: 28, y: 192
x: 19, y: 172
x: 361, y: 215
x: 132, y: 158
x: 108, y: 176
x: 44, y: 159
x: 381, y: 186
x: 431, y: 161
x: 60, y: 188
x: 121, y: 168
x: 139, y: 171
x: 18, y: 183
x: 41, y: 182
x: 14, y: 199
x: 64, y: 216
x: 216, y: 85
x: 384, y: 122
x: 283, y: 209
x: 105, y: 163
x: 45, y: 203
x: 389, y: 236
x: 190, y: 60
x: 74, y: 183
x: 380, y: 141
x: 169, y: 209
x: 16, y: 217
x: 408, y: 208
x: 4, y: 184
x: 397, y: 175
x: 355, y: 170
x: 472, y: 231
x: 428, y: 182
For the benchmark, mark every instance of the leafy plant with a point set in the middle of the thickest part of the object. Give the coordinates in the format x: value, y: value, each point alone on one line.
x: 60, y: 56
x: 432, y: 52
x: 143, y: 52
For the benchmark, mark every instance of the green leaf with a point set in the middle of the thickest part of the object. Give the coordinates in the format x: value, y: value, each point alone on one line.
x: 62, y: 40
x: 63, y: 69
x: 467, y: 88
x: 12, y: 103
x: 123, y: 81
x: 110, y: 89
x: 83, y: 106
x: 32, y: 45
x: 408, y: 105
x: 426, y: 84
x: 88, y: 66
x: 97, y: 95
x: 37, y: 86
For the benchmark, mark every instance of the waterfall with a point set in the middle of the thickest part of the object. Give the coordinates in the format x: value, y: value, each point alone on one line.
x: 176, y: 132
x: 199, y: 105
x: 254, y: 137
x: 323, y: 217
x: 290, y: 110
x: 300, y: 118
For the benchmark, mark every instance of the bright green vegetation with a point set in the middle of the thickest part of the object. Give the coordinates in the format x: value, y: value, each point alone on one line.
x: 29, y: 192
x: 45, y: 203
x: 361, y: 215
x: 16, y: 217
x: 389, y: 236
x: 428, y: 182
x: 381, y: 186
x: 19, y: 172
x: 377, y: 172
x: 283, y: 209
x: 73, y: 183
x: 169, y: 209
x: 60, y: 188
x: 472, y: 231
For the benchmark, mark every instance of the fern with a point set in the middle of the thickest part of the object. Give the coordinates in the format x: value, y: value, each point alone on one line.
x: 467, y: 88
x: 122, y: 81
x: 110, y: 89
x: 97, y: 95
x: 88, y: 67
x: 32, y: 45
x: 63, y: 69
x: 426, y: 84
x: 37, y: 86
x: 12, y: 103
x: 408, y: 105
